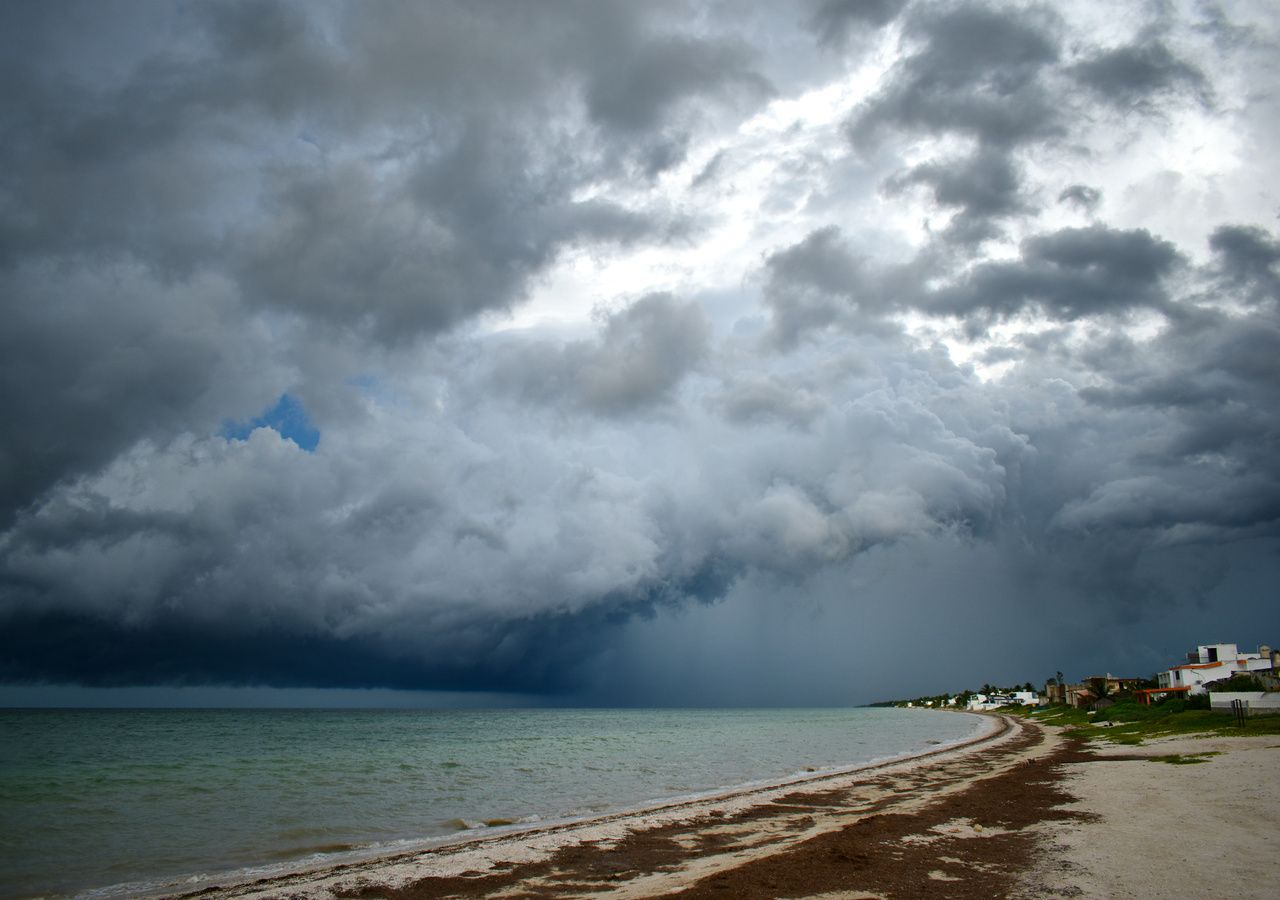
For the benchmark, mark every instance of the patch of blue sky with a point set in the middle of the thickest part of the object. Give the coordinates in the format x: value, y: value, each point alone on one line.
x: 288, y: 417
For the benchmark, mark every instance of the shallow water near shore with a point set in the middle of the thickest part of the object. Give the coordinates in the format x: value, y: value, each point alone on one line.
x: 135, y: 799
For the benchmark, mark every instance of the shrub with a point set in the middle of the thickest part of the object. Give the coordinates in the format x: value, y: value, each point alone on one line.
x: 1242, y: 683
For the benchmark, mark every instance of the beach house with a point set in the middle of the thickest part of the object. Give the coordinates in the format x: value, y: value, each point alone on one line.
x: 1115, y: 683
x: 1075, y: 695
x: 1004, y: 698
x: 1214, y: 662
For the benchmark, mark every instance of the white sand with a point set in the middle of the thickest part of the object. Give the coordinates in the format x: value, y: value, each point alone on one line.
x: 1209, y: 829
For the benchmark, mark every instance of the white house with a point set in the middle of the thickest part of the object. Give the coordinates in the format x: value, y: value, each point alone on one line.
x: 995, y: 701
x: 1212, y: 662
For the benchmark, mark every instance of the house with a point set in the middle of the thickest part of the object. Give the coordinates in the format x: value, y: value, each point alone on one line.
x: 1213, y: 662
x: 1079, y: 696
x: 1074, y: 695
x: 1087, y: 694
x: 1115, y: 684
x: 982, y: 702
x: 1005, y: 698
x: 1055, y: 691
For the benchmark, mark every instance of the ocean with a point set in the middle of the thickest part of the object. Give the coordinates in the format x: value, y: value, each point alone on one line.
x: 122, y: 802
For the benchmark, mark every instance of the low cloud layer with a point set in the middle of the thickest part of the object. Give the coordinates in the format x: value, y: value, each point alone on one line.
x: 634, y: 354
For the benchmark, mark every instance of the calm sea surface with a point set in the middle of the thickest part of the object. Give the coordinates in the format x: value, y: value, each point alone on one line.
x: 133, y: 800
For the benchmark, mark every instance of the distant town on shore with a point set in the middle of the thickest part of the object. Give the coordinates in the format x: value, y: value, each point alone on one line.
x: 1214, y: 676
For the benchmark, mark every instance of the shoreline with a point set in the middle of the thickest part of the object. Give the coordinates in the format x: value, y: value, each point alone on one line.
x: 1024, y: 810
x: 454, y: 857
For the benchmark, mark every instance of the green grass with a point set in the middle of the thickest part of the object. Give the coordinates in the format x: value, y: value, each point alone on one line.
x: 1128, y: 722
x: 1185, y: 759
x: 1062, y: 715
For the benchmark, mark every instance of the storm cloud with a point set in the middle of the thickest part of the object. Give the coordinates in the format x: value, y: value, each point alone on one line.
x: 605, y: 352
x: 969, y: 69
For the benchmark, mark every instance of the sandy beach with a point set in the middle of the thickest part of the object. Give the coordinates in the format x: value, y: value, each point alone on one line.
x: 1144, y: 828
x: 1022, y: 811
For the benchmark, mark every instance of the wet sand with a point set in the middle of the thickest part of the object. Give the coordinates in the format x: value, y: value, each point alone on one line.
x: 1021, y: 812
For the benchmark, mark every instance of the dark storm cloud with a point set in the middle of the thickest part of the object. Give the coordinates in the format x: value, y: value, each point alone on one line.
x: 822, y: 281
x: 1212, y: 379
x: 90, y: 364
x: 635, y: 83
x: 374, y: 171
x: 810, y: 284
x: 978, y: 72
x: 973, y: 70
x: 529, y: 657
x: 1248, y: 257
x: 391, y: 174
x: 1151, y: 457
x: 983, y: 188
x: 1231, y: 358
x: 462, y: 118
x: 469, y: 551
x: 835, y: 22
x: 232, y: 581
x: 1067, y: 274
x: 1181, y: 444
x: 207, y: 208
x: 458, y: 233
x: 1131, y: 76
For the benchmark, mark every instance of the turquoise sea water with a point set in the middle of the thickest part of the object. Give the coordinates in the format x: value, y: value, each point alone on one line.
x: 131, y: 800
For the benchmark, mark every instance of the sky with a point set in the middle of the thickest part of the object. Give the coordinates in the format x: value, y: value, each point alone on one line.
x: 705, y: 353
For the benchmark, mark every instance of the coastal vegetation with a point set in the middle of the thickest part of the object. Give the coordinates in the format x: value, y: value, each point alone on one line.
x: 1128, y: 722
x: 1119, y: 717
x: 1243, y: 683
